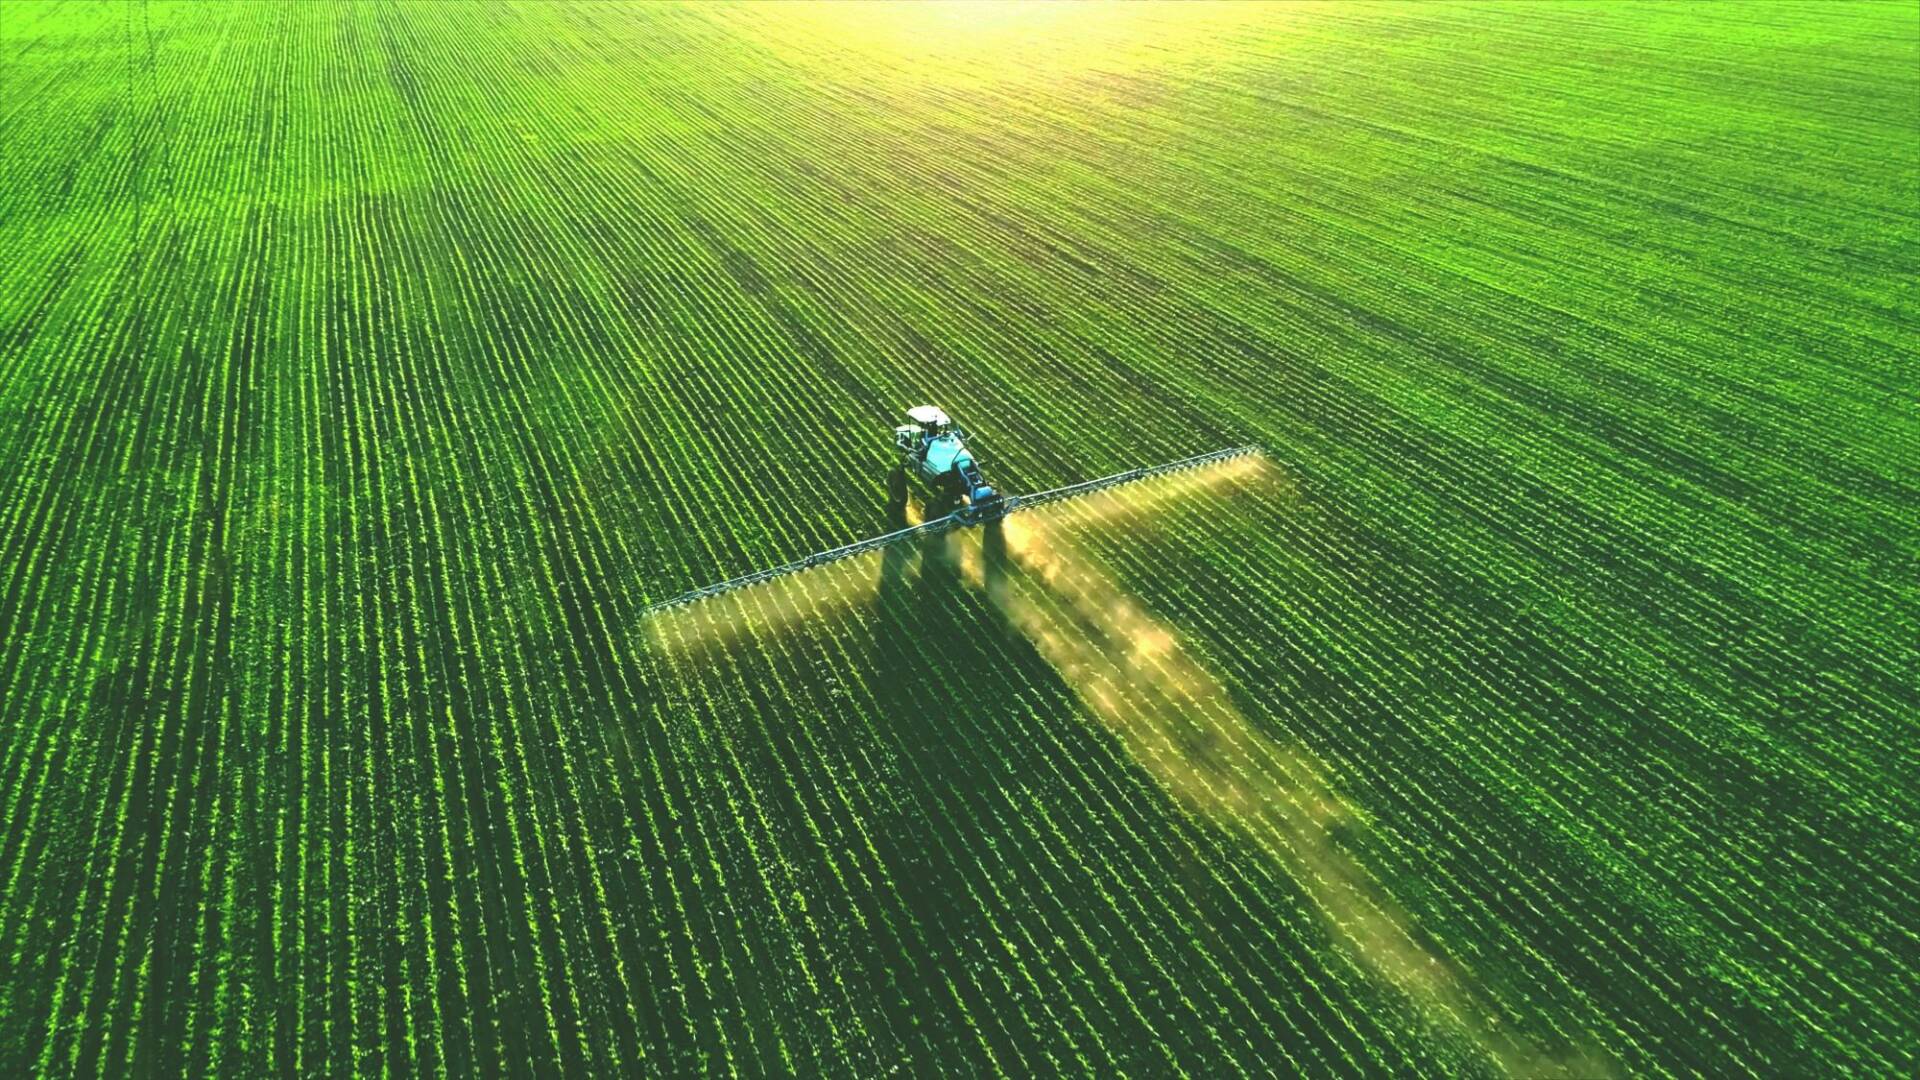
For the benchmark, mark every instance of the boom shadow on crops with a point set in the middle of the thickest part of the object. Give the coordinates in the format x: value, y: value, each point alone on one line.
x: 1173, y: 716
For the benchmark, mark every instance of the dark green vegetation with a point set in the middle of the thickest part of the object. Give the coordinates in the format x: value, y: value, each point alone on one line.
x: 1550, y: 703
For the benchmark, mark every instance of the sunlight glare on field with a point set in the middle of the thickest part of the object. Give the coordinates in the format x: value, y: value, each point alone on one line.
x: 954, y: 41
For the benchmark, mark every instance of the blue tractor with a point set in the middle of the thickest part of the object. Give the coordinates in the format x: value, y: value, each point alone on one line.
x: 936, y: 450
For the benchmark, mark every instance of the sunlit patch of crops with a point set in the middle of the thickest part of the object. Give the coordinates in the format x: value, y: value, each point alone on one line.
x: 802, y: 600
x: 960, y: 42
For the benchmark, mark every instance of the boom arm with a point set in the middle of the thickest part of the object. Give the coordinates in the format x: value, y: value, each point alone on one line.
x: 958, y: 519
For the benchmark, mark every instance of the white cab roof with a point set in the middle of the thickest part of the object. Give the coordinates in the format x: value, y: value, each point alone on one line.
x: 927, y: 414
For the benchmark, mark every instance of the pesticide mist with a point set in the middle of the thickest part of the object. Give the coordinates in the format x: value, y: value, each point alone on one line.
x: 1169, y: 713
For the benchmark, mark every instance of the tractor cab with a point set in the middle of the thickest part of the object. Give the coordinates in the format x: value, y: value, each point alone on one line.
x: 926, y: 425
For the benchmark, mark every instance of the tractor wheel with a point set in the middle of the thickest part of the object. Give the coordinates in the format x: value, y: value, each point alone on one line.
x: 896, y: 498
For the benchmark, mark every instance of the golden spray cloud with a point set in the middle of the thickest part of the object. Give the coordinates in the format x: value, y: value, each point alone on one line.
x: 1167, y: 711
x: 1178, y: 721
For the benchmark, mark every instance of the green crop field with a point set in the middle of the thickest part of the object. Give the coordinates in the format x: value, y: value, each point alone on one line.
x: 1543, y: 699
